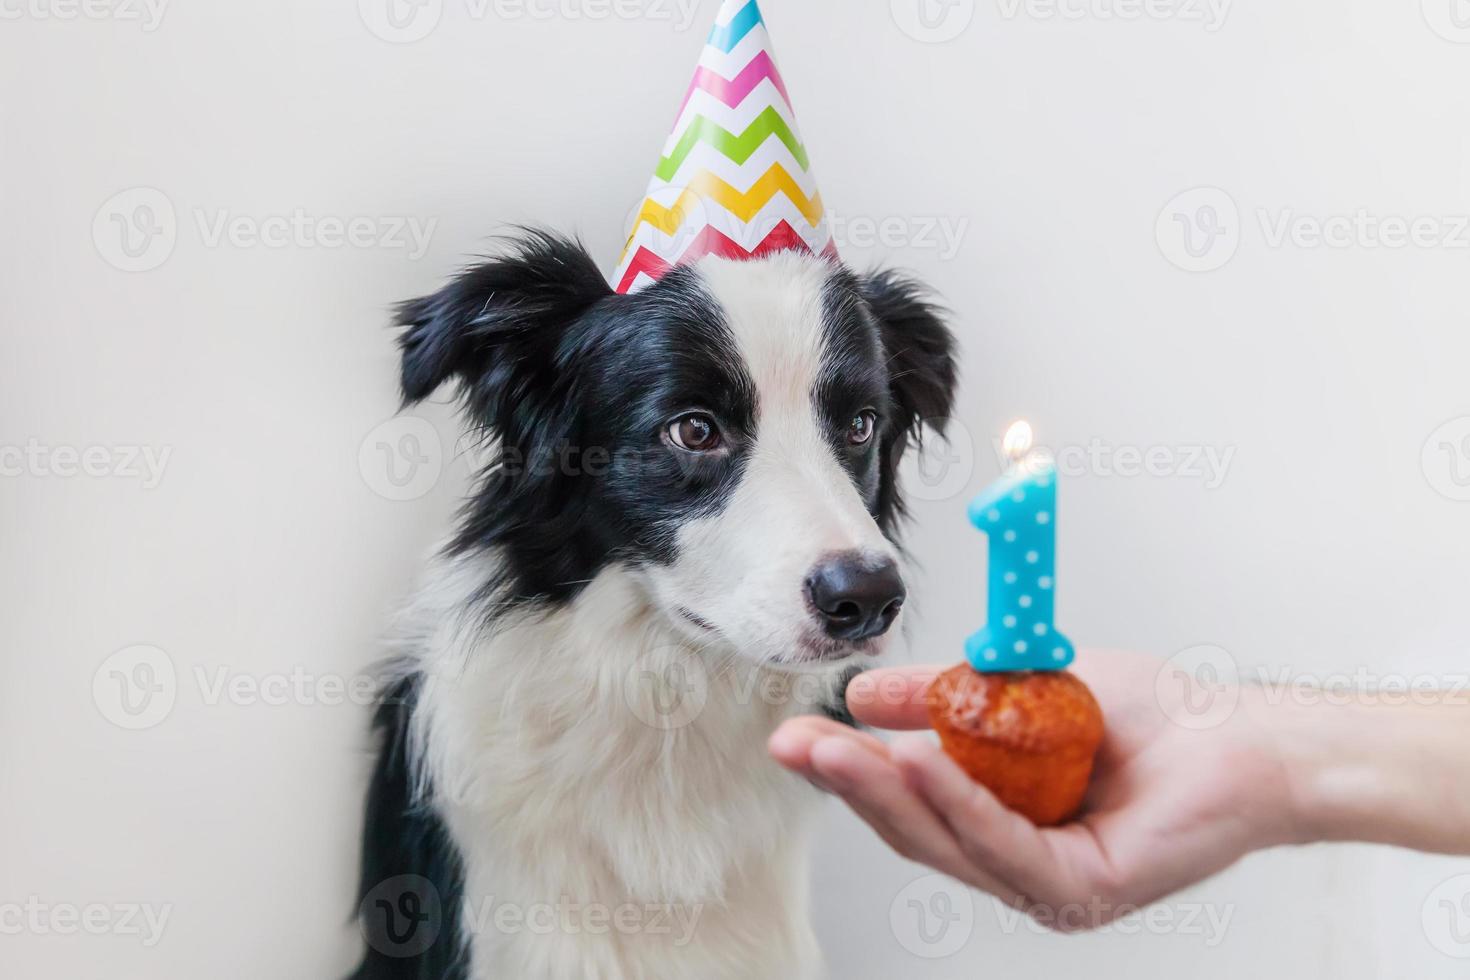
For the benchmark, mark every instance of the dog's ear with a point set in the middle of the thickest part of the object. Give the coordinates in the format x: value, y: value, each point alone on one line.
x: 920, y: 347
x: 921, y: 366
x: 494, y: 329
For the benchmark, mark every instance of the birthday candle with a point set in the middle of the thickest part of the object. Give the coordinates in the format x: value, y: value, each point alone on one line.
x: 1018, y: 513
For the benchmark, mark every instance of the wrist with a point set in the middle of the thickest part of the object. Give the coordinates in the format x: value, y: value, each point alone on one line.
x: 1319, y: 756
x: 1369, y: 768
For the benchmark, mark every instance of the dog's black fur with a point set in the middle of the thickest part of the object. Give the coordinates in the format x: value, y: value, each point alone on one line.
x: 568, y: 379
x: 412, y: 888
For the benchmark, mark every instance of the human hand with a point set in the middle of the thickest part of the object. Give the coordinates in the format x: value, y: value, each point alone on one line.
x: 1167, y: 805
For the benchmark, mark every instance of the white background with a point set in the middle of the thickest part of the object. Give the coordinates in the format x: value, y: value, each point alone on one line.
x: 1059, y: 143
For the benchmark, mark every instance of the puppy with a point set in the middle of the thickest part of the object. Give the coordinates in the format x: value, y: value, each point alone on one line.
x: 686, y: 536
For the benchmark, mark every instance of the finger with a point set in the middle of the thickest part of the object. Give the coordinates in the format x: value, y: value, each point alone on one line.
x: 791, y: 743
x: 793, y: 748
x: 875, y: 790
x: 892, y: 697
x: 999, y: 840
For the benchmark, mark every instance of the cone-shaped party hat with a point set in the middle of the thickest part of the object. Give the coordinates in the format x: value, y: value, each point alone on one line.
x: 734, y: 179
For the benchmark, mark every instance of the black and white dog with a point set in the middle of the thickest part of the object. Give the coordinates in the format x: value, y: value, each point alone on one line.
x: 686, y: 537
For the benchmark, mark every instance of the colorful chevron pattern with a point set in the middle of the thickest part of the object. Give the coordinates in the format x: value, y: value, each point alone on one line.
x: 734, y: 179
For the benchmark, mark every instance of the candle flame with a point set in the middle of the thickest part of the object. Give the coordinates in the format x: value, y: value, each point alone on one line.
x: 1017, y: 440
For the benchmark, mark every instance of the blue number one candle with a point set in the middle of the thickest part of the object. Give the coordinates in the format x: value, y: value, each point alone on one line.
x: 1018, y: 513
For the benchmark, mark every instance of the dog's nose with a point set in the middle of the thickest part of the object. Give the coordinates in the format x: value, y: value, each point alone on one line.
x: 855, y: 599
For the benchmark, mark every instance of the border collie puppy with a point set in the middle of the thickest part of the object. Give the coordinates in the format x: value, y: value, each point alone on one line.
x: 686, y: 537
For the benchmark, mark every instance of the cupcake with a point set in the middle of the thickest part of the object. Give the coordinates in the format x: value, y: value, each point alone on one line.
x: 1027, y: 736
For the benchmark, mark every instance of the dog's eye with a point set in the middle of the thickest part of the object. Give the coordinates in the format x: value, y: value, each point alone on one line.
x: 860, y: 429
x: 695, y: 432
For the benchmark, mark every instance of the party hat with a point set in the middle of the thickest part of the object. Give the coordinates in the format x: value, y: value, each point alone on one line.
x: 734, y: 179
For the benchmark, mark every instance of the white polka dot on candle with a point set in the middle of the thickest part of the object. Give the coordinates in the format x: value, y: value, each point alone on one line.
x: 1018, y: 495
x: 992, y: 515
x: 1009, y: 622
x: 1010, y: 578
x: 989, y: 654
x: 1020, y: 646
x: 1044, y: 582
x: 1024, y: 602
x: 1043, y: 518
x: 1039, y: 629
x: 1032, y: 557
x: 1009, y: 536
x: 1059, y: 654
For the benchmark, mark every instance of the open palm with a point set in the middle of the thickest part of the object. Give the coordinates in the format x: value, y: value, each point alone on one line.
x: 1168, y: 803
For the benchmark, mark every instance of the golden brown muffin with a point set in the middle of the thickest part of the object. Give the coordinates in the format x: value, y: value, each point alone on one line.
x: 1027, y: 736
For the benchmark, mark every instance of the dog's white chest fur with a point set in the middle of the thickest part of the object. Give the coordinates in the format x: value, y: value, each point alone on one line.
x: 608, y: 787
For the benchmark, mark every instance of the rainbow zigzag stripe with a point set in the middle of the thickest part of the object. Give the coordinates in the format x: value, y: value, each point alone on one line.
x: 734, y: 178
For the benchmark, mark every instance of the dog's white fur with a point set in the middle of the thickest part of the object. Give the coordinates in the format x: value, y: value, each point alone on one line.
x: 612, y: 754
